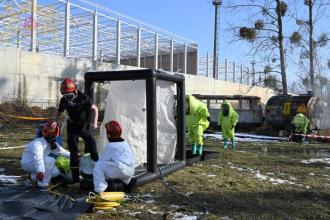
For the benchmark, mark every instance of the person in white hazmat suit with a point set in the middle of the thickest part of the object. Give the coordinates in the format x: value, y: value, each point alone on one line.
x: 117, y: 160
x: 36, y: 160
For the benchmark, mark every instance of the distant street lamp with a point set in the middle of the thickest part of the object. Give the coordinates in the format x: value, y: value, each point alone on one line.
x: 216, y: 4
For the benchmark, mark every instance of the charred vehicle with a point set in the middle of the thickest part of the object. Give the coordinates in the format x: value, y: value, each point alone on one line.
x: 281, y: 109
x: 249, y: 109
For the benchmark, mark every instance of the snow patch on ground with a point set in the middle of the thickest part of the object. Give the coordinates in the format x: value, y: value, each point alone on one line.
x: 275, y: 181
x: 225, y: 218
x: 148, y: 198
x: 182, y: 216
x: 154, y: 212
x: 317, y: 160
x: 244, y: 137
x: 134, y: 213
x: 209, y: 174
x: 216, y: 166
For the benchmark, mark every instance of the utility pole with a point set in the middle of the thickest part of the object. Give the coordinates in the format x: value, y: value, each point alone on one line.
x: 216, y: 4
x: 253, y: 73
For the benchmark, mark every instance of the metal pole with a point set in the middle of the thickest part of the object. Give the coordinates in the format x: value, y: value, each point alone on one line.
x: 118, y: 42
x: 253, y: 73
x: 185, y: 58
x: 215, y: 55
x: 171, y: 55
x: 18, y: 38
x: 216, y: 4
x: 241, y: 80
x: 67, y: 30
x: 197, y: 61
x: 156, y: 52
x: 248, y: 76
x: 207, y: 64
x: 234, y: 72
x: 34, y: 9
x: 151, y: 124
x: 226, y: 69
x: 181, y: 111
x: 95, y: 29
x: 138, y: 48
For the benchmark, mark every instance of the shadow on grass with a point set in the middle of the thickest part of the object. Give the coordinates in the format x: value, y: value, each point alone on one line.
x: 264, y: 205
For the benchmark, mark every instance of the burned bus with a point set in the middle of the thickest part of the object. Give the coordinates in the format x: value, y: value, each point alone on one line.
x: 249, y: 108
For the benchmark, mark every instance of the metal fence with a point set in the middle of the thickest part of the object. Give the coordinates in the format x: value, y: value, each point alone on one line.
x: 231, y: 72
x: 83, y: 29
x: 38, y: 109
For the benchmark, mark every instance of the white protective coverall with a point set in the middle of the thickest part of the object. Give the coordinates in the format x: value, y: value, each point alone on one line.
x: 116, y: 162
x: 35, y: 159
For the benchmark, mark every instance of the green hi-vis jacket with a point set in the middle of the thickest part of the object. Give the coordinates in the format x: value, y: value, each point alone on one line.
x: 301, y: 123
x: 198, y: 113
x: 231, y: 120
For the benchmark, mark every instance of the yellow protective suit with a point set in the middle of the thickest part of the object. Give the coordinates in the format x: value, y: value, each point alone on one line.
x: 301, y: 123
x: 196, y: 119
x: 229, y: 122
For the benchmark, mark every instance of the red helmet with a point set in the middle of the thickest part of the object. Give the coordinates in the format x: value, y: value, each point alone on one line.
x: 68, y: 86
x: 49, y: 130
x: 113, y: 129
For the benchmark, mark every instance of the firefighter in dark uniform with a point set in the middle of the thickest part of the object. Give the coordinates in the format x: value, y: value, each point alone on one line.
x: 79, y: 107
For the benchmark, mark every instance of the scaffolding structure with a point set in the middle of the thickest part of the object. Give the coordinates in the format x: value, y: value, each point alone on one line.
x: 83, y: 29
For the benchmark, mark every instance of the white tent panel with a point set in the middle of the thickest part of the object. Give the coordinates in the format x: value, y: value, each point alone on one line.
x: 126, y: 103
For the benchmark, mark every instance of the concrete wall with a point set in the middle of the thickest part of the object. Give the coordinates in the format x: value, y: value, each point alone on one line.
x: 36, y: 77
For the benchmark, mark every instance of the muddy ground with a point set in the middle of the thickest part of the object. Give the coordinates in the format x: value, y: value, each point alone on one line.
x: 257, y: 181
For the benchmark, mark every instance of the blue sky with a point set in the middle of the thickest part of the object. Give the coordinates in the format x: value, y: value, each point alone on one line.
x: 193, y: 19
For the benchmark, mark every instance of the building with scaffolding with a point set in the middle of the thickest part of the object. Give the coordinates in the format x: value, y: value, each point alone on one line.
x: 82, y: 29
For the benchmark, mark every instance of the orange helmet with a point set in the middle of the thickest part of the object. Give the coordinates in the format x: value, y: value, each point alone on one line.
x: 49, y: 130
x: 68, y: 86
x: 113, y: 129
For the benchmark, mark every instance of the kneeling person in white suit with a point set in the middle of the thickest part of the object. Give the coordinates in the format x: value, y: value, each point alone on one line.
x: 117, y: 160
x: 36, y: 159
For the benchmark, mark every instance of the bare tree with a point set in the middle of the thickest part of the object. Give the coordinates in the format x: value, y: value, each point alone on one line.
x: 305, y: 39
x: 266, y: 34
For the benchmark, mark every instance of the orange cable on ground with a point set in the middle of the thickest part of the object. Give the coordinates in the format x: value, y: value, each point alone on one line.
x: 24, y: 117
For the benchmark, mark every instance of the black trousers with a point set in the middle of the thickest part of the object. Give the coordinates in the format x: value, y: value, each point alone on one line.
x: 298, y: 137
x: 75, y: 131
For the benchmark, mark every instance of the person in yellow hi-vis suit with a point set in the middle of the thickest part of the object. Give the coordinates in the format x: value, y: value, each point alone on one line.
x: 300, y: 122
x: 228, y: 119
x: 198, y: 120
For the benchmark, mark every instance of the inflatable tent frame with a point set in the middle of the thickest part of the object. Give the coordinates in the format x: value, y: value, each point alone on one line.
x: 150, y: 76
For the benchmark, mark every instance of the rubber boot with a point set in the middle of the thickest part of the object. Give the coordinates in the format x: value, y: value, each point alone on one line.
x: 193, y: 149
x: 75, y: 174
x: 200, y: 149
x: 233, y: 144
x: 225, y: 144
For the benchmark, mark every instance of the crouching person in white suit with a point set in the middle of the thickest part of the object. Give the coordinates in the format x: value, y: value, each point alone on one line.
x: 117, y: 160
x: 36, y: 159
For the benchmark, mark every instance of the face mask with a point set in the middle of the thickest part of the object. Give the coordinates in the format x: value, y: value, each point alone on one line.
x: 52, y: 141
x: 69, y: 96
x: 225, y: 110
